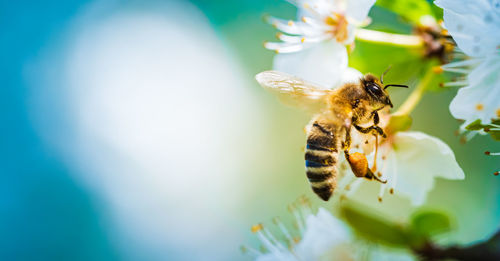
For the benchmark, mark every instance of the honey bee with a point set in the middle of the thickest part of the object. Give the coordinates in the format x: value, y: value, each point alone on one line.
x: 336, y: 112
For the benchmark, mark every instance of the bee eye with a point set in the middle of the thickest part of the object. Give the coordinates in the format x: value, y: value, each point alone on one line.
x: 374, y: 89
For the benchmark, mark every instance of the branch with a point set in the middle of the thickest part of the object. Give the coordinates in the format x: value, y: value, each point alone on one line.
x: 485, y: 251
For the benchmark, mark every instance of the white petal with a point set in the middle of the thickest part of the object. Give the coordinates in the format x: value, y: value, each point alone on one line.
x: 474, y: 25
x: 481, y: 98
x: 351, y: 75
x: 285, y: 256
x: 464, y: 6
x: 323, y: 233
x: 417, y: 159
x: 317, y: 8
x: 322, y: 63
x: 350, y: 34
x: 358, y: 9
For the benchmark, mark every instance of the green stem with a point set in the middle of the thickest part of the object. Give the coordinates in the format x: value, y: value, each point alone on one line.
x: 404, y: 40
x: 411, y: 102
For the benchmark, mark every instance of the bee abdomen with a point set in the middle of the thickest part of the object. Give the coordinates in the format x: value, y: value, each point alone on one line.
x: 323, y: 180
x: 321, y: 158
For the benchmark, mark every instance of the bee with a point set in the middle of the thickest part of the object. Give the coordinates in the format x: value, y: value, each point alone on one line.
x: 336, y: 112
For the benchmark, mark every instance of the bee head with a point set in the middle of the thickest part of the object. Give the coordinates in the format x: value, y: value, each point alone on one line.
x: 374, y: 87
x: 377, y: 90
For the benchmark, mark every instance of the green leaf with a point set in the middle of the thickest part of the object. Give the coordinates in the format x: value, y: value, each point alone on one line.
x: 375, y: 228
x: 376, y: 58
x: 410, y: 10
x: 477, y: 125
x: 474, y: 126
x: 430, y: 223
x: 437, y: 12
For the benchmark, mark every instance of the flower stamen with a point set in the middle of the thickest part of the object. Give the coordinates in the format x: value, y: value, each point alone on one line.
x: 252, y: 252
x: 454, y: 84
x: 283, y: 230
x: 267, y: 243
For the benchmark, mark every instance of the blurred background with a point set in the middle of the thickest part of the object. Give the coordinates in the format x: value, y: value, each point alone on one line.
x: 134, y: 130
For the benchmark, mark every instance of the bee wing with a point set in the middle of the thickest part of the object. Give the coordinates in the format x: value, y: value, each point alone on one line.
x: 294, y: 91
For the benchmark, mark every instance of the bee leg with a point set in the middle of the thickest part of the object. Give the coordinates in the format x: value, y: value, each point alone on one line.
x: 370, y: 175
x: 376, y: 118
x: 346, y: 145
x: 376, y: 121
x: 373, y: 128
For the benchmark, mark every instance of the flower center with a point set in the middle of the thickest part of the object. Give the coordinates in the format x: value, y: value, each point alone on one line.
x: 479, y: 107
x: 338, y: 24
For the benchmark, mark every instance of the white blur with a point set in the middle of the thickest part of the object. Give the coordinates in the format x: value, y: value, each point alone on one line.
x: 151, y: 112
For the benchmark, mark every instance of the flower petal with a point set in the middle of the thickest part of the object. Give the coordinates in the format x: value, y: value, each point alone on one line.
x: 473, y: 23
x: 358, y: 9
x: 322, y: 63
x: 417, y: 159
x: 317, y: 8
x: 285, y: 256
x: 323, y: 233
x: 480, y: 99
x: 351, y: 75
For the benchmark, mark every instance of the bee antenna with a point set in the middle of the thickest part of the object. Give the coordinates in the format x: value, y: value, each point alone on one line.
x: 386, y: 70
x: 396, y: 85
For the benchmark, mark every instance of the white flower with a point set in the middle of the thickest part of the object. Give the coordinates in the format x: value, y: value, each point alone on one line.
x: 475, y: 27
x: 410, y: 161
x: 480, y: 99
x: 323, y: 237
x: 313, y: 48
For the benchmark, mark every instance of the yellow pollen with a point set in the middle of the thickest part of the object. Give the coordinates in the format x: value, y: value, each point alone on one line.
x: 437, y: 69
x: 339, y: 23
x: 391, y: 190
x: 379, y: 199
x: 256, y: 228
x: 304, y: 19
x: 330, y: 21
x: 498, y: 112
x: 275, y: 25
x: 290, y: 23
x: 278, y: 35
x: 277, y: 51
x: 303, y: 39
x: 479, y: 107
x: 307, y: 6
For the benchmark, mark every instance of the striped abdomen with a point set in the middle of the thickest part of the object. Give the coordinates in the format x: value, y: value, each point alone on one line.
x: 321, y: 159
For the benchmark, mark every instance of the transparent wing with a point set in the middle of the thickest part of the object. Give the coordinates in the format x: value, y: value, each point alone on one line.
x: 294, y: 91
